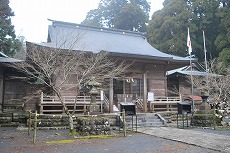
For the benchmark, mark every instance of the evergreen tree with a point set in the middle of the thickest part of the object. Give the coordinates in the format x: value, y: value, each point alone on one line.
x: 205, y: 19
x: 132, y: 18
x: 122, y: 14
x: 8, y: 41
x: 222, y: 41
x: 224, y: 57
x: 167, y: 30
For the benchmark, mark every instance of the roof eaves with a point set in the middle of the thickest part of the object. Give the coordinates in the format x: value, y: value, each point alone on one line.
x: 140, y: 56
x: 9, y: 60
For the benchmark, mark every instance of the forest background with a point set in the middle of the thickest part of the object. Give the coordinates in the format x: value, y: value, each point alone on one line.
x: 165, y: 29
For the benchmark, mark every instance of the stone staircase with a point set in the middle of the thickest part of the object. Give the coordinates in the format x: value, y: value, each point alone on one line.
x: 144, y: 120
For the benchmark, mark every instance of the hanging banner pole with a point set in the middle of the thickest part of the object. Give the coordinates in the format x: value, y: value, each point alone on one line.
x: 189, y: 45
x: 192, y: 84
x: 206, y: 65
x: 205, y: 54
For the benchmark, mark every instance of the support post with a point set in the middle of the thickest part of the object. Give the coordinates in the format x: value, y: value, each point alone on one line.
x: 124, y: 122
x: 29, y: 124
x: 111, y: 95
x: 41, y: 105
x: 192, y: 85
x: 35, y: 127
x: 84, y: 109
x: 1, y: 88
x: 145, y: 92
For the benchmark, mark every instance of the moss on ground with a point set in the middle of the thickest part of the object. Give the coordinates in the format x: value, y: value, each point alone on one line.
x: 60, y: 141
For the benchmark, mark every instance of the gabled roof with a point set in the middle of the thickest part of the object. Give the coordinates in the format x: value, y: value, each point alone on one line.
x: 197, y: 70
x: 5, y: 59
x: 95, y: 39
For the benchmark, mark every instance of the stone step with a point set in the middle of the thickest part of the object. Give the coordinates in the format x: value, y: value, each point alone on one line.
x: 144, y: 120
x: 151, y: 120
x: 141, y: 117
x: 146, y: 124
x: 129, y: 126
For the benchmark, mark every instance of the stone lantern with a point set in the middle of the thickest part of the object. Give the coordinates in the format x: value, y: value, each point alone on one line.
x: 93, y: 85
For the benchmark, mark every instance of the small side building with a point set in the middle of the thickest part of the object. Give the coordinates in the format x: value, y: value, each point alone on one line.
x: 12, y: 90
x: 179, y: 82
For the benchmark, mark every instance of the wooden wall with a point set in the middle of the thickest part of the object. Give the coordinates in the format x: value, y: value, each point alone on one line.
x: 157, y: 81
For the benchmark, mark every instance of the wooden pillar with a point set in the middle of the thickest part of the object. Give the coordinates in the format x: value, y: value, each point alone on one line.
x: 1, y: 88
x: 41, y: 103
x: 124, y: 93
x: 84, y: 109
x: 131, y: 86
x: 111, y: 95
x: 166, y: 80
x: 145, y: 92
x: 166, y: 87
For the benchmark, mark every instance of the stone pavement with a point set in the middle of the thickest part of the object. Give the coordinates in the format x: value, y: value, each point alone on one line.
x: 189, y: 136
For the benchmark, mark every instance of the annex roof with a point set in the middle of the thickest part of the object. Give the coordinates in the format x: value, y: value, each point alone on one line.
x: 95, y: 39
x: 5, y: 59
x: 187, y: 71
x: 196, y: 70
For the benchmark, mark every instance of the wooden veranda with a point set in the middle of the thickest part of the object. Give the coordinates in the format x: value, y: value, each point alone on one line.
x: 81, y: 104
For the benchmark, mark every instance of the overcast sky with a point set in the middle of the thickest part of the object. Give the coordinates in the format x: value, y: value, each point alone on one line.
x: 31, y: 16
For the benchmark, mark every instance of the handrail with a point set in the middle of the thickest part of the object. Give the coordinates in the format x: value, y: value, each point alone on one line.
x: 79, y: 104
x: 106, y: 101
x: 139, y: 103
x: 166, y: 100
x: 68, y: 99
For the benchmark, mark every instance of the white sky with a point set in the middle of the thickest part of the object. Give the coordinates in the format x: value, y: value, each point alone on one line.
x: 31, y: 16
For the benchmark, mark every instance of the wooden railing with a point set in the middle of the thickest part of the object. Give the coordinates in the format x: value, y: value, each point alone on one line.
x: 159, y: 104
x: 52, y: 104
x: 164, y: 104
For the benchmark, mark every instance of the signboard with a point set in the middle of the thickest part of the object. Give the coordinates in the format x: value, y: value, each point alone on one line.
x: 102, y: 95
x: 150, y: 96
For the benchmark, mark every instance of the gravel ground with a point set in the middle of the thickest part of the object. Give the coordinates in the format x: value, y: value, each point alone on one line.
x: 14, y: 141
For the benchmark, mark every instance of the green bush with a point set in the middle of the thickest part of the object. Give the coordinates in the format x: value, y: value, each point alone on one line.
x: 205, y: 120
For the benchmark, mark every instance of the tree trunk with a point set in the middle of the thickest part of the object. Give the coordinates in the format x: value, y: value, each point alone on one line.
x: 71, y: 127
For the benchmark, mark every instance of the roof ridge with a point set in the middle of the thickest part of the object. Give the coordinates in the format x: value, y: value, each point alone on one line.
x: 76, y: 25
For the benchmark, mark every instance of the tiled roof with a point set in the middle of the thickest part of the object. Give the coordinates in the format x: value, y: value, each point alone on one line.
x: 95, y: 39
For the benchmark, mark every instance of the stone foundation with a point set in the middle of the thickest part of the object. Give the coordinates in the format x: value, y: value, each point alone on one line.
x: 93, y: 126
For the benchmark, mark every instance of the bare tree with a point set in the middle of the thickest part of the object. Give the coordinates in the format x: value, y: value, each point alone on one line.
x: 215, y: 83
x: 55, y: 67
x: 216, y: 86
